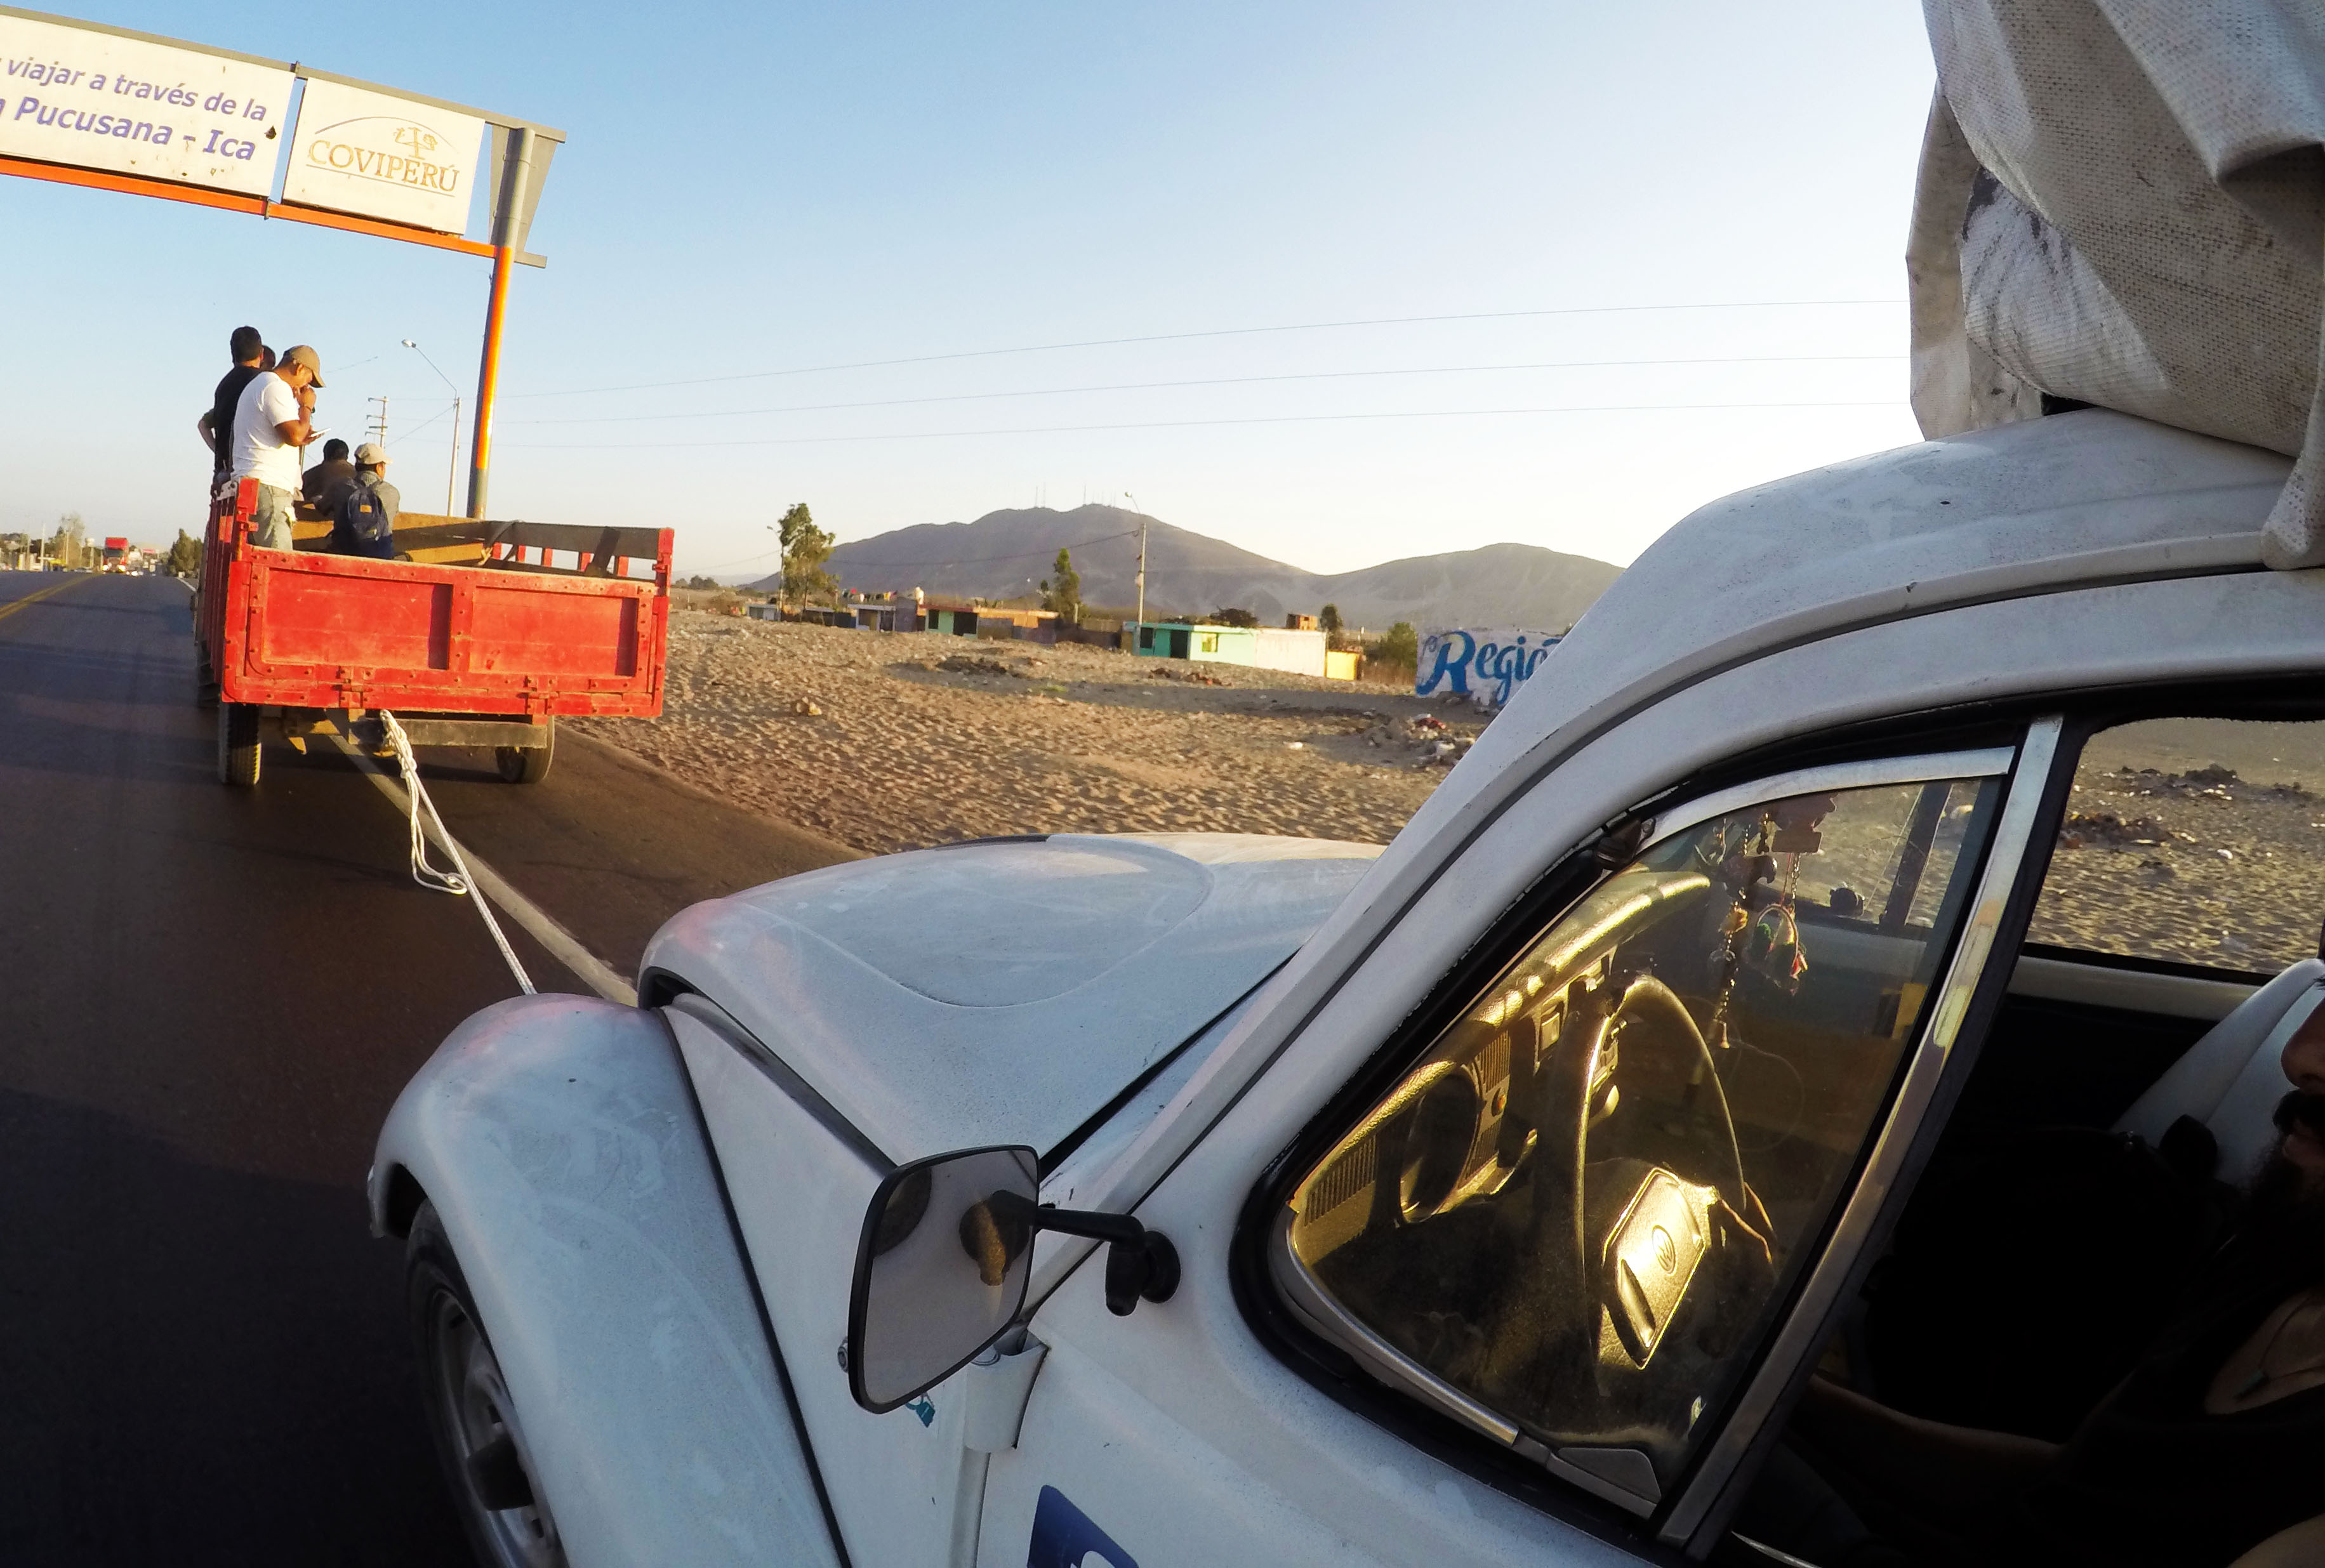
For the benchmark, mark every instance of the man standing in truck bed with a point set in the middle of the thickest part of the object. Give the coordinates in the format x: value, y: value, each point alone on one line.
x: 272, y: 424
x: 216, y: 427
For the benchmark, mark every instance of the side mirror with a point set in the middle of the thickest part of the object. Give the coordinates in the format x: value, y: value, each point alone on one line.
x: 945, y: 1257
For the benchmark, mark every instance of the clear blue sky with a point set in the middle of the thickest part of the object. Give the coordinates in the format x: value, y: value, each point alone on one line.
x: 771, y: 188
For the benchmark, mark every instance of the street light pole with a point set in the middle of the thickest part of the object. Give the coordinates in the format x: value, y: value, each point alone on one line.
x: 452, y: 474
x: 1141, y: 622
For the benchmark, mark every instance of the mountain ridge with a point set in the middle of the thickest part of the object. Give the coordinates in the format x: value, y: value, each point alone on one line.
x: 1006, y: 554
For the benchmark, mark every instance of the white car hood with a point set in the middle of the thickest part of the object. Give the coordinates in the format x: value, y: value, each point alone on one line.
x: 1006, y: 991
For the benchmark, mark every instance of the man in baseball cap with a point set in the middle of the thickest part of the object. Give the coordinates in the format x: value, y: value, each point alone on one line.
x: 273, y: 421
x: 365, y: 522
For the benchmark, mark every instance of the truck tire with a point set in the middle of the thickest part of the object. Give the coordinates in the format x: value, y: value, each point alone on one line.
x: 528, y: 764
x: 469, y: 1411
x: 238, y: 731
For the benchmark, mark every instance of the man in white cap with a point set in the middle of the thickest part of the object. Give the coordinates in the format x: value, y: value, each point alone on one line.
x: 363, y: 522
x: 273, y: 423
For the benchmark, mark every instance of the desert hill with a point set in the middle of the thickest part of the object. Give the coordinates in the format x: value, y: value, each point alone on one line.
x: 1006, y: 554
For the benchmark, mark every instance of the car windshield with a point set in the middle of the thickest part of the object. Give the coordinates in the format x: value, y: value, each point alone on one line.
x: 1583, y: 1204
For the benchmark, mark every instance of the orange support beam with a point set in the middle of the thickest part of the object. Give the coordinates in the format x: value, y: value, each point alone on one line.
x: 233, y: 201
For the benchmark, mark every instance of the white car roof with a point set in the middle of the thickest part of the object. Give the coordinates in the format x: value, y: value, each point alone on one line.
x: 2043, y: 505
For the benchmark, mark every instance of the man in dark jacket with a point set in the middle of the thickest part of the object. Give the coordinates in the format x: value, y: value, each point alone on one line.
x: 320, y: 486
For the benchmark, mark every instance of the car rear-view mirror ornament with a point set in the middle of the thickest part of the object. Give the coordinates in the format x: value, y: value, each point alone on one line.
x: 944, y: 1261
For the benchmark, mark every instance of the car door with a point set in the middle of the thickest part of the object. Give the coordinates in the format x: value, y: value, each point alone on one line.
x: 1528, y: 1286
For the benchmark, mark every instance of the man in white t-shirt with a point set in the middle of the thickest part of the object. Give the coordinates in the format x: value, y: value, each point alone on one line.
x: 271, y: 423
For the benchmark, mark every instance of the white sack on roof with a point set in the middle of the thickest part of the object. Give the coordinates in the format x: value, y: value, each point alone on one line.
x: 2122, y: 202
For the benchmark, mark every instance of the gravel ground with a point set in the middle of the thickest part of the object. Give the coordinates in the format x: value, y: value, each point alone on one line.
x: 897, y: 740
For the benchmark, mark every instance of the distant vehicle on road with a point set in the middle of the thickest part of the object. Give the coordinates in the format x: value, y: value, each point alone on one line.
x: 1163, y: 1201
x: 499, y: 628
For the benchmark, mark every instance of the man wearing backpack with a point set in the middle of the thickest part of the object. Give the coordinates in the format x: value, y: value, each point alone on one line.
x: 364, y: 521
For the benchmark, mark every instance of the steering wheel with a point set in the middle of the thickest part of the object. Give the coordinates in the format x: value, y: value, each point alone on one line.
x: 1664, y: 1229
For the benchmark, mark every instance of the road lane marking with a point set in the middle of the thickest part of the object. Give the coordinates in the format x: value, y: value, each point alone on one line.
x: 561, y: 944
x: 35, y: 596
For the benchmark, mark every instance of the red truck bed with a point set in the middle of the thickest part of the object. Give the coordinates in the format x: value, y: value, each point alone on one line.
x: 522, y: 637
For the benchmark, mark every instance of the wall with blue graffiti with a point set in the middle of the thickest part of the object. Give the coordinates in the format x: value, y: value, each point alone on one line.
x: 1484, y: 666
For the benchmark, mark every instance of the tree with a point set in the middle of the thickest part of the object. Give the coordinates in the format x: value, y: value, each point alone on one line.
x: 65, y: 546
x: 1329, y: 618
x: 1231, y: 617
x: 805, y: 550
x: 1400, y: 645
x: 1061, y: 590
x: 700, y: 582
x: 185, y: 556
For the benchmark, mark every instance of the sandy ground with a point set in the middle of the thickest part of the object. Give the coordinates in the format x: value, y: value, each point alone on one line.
x: 892, y: 741
x: 2199, y: 841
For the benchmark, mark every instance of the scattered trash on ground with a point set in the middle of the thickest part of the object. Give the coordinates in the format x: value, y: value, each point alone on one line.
x: 972, y: 664
x: 2106, y: 829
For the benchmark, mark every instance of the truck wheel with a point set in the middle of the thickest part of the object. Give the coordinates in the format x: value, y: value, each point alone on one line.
x: 237, y: 727
x: 475, y: 1421
x: 528, y: 764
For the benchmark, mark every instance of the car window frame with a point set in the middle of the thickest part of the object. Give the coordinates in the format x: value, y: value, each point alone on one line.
x: 1451, y: 1423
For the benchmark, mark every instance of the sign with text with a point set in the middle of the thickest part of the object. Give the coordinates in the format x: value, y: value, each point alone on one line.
x: 93, y: 99
x: 1484, y: 666
x: 384, y: 156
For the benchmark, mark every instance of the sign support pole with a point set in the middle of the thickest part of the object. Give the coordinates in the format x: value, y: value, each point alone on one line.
x: 480, y: 451
x: 515, y: 175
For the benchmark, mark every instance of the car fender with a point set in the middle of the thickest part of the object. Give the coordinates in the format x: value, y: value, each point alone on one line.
x: 559, y: 1140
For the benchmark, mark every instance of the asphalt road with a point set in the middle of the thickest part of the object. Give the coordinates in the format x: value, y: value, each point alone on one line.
x: 209, y: 998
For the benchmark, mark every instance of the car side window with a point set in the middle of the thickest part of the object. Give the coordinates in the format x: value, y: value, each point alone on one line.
x: 1580, y: 1211
x: 2192, y: 841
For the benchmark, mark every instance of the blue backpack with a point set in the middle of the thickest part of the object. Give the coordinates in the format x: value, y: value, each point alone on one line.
x: 364, y: 515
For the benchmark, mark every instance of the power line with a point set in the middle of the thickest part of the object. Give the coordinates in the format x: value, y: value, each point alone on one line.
x: 1183, y: 424
x: 1215, y: 332
x: 430, y: 419
x: 1217, y: 381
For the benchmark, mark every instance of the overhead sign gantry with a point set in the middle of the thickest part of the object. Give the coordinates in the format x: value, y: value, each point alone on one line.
x: 83, y: 104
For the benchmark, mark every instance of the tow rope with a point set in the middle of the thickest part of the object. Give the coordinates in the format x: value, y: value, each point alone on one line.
x: 456, y: 882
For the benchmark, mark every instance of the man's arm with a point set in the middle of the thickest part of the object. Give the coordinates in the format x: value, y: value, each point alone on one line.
x: 202, y: 429
x: 1923, y: 1463
x: 2302, y: 1545
x: 298, y: 432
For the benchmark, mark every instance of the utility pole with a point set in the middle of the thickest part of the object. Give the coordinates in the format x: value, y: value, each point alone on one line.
x: 1141, y: 622
x: 378, y: 423
x: 476, y: 478
x: 453, y: 474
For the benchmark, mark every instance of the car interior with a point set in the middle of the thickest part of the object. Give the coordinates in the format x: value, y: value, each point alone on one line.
x: 1571, y: 1221
x: 1584, y: 1205
x: 2124, y: 1091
